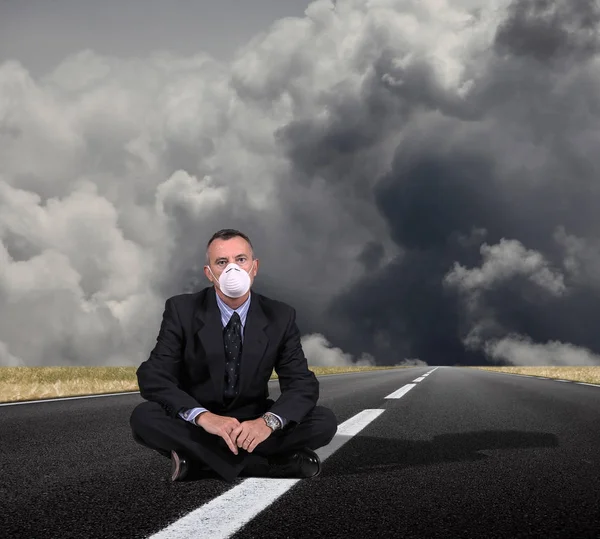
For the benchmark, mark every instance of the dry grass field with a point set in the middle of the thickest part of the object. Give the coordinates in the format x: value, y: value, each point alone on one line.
x: 33, y: 383
x: 591, y: 375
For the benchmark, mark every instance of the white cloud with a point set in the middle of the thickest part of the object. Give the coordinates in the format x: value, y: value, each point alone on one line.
x: 504, y: 261
x: 581, y: 258
x: 68, y: 297
x: 412, y: 362
x: 320, y: 353
x: 521, y: 350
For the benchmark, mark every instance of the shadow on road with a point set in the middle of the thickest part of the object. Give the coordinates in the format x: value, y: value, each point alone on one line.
x: 375, y: 454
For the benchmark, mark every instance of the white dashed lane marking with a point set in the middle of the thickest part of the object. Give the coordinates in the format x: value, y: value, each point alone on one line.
x: 401, y: 392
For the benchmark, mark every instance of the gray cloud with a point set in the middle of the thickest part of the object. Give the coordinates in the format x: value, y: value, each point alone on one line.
x: 550, y: 29
x: 419, y: 182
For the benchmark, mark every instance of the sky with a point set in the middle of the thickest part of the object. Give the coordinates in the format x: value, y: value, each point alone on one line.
x: 419, y: 178
x: 41, y: 33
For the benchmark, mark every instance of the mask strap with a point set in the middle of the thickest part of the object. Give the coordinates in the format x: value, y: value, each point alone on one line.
x: 211, y: 272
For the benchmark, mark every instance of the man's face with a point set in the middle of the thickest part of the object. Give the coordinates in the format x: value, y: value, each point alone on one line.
x: 223, y: 252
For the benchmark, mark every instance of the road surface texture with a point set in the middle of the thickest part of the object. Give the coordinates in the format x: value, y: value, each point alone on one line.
x: 421, y: 452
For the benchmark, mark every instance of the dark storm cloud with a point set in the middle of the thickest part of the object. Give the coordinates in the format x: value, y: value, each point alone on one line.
x: 469, y: 170
x: 372, y: 255
x: 403, y: 312
x: 550, y: 29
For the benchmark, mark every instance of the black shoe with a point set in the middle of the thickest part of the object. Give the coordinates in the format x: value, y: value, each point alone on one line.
x: 301, y: 464
x: 179, y: 466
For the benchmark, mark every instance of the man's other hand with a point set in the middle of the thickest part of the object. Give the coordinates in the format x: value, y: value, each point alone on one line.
x: 250, y: 433
x: 222, y: 426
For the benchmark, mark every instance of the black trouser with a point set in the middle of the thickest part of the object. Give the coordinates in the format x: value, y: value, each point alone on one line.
x: 152, y: 427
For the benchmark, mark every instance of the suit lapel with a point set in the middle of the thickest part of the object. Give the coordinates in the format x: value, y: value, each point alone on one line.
x: 255, y: 343
x: 209, y: 330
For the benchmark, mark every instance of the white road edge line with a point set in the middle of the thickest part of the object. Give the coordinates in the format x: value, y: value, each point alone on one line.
x: 226, y: 514
x: 544, y: 378
x: 401, y: 392
x: 69, y: 398
x: 58, y: 399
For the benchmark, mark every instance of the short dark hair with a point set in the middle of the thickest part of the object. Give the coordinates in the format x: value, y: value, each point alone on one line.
x: 227, y: 234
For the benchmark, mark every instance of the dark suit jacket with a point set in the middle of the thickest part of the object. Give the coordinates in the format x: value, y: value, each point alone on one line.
x: 186, y: 368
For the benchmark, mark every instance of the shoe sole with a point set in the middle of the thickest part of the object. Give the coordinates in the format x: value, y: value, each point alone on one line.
x: 175, y: 466
x: 319, y: 470
x: 320, y: 465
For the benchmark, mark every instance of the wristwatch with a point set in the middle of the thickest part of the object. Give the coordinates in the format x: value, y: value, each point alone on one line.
x: 271, y: 421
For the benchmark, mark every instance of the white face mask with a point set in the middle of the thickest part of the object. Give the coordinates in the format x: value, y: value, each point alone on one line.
x: 234, y: 282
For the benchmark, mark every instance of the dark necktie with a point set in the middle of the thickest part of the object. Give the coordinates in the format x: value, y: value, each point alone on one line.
x: 232, y: 338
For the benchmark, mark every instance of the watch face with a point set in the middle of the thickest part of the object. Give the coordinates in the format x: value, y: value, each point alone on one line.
x: 272, y: 421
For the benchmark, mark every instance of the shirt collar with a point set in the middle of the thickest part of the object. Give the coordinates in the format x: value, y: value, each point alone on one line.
x: 227, y: 312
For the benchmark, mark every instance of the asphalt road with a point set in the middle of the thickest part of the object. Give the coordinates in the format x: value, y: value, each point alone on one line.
x: 460, y: 453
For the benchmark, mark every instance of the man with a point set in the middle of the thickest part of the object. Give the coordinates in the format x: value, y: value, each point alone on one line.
x: 205, y: 382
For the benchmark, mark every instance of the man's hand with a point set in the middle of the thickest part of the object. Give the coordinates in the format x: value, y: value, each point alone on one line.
x: 221, y: 426
x: 251, y: 433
